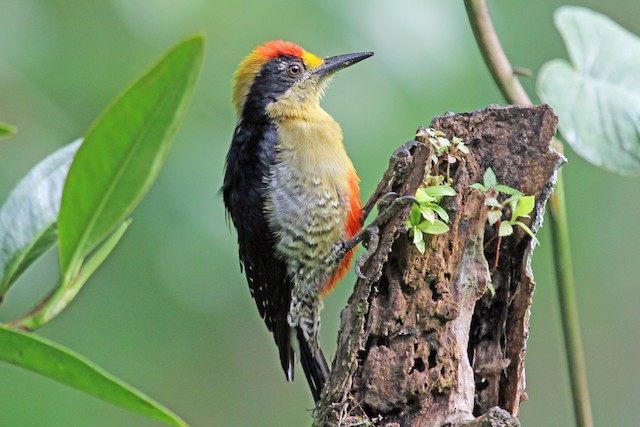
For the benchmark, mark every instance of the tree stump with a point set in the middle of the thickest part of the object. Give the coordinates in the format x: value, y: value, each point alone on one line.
x: 422, y: 342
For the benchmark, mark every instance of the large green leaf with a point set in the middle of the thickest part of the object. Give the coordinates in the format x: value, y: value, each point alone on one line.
x: 597, y: 96
x: 123, y: 153
x: 58, y: 363
x: 28, y: 216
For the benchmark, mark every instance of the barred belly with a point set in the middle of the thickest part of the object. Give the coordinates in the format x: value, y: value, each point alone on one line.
x: 308, y: 215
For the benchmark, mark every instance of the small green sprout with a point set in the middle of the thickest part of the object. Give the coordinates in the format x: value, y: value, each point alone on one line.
x: 490, y: 181
x: 439, y: 142
x: 427, y: 216
x: 444, y: 150
x: 458, y: 145
x: 491, y: 289
x: 520, y: 205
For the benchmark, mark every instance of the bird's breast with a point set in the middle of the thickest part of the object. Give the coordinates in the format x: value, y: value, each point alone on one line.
x: 308, y: 188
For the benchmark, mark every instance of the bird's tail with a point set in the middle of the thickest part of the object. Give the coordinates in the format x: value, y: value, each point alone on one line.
x: 314, y: 366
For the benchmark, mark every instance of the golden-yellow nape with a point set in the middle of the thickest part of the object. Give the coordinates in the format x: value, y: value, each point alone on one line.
x: 252, y: 63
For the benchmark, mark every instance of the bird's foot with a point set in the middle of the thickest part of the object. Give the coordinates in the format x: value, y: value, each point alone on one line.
x: 388, y: 204
x: 369, y: 235
x: 398, y: 165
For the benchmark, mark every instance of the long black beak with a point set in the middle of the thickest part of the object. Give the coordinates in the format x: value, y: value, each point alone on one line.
x: 335, y: 63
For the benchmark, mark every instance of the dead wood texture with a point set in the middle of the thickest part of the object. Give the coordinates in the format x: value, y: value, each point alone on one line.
x: 422, y: 341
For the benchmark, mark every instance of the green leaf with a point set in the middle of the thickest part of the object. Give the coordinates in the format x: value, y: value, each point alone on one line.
x: 28, y: 216
x: 66, y: 292
x: 7, y: 130
x: 440, y: 211
x: 524, y: 206
x: 513, y: 199
x: 123, y: 153
x: 460, y: 145
x: 527, y: 230
x: 479, y: 186
x: 444, y: 142
x: 415, y: 217
x: 489, y: 178
x: 417, y: 235
x: 438, y: 227
x: 421, y: 196
x: 60, y: 364
x: 508, y: 190
x: 506, y: 229
x: 491, y: 289
x: 493, y: 216
x: 428, y: 214
x: 421, y: 246
x: 438, y: 191
x: 597, y: 96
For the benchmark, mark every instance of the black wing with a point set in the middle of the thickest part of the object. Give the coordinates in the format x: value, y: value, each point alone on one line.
x: 251, y: 155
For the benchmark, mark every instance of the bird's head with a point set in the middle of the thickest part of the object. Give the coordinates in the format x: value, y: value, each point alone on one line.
x: 281, y: 79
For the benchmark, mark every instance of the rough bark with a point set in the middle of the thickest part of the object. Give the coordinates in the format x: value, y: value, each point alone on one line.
x: 422, y: 341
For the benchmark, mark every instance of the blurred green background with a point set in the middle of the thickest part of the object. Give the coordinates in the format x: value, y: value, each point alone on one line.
x: 170, y: 312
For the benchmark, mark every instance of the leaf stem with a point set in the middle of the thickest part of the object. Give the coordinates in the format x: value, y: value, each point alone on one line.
x: 493, y: 54
x: 47, y: 309
x: 504, y: 76
x: 68, y: 286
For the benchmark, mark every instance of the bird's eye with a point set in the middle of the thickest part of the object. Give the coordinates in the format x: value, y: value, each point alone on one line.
x: 294, y: 69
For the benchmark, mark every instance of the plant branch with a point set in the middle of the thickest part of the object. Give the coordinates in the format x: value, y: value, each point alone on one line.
x: 569, y: 308
x: 493, y: 54
x: 68, y: 287
x: 504, y: 76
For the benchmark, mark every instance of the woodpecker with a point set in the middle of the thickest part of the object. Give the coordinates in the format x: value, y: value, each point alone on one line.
x: 292, y: 194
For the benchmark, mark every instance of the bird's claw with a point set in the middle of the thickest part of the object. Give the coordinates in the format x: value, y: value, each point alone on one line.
x: 401, y: 151
x: 386, y: 200
x: 394, y: 175
x: 372, y: 232
x: 408, y: 199
x: 412, y: 144
x: 388, y: 204
x: 405, y: 149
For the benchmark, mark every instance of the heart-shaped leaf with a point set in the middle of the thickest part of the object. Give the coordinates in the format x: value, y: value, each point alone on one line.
x: 597, y: 96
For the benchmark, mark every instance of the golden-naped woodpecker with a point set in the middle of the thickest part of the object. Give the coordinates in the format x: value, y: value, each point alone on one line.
x: 292, y: 194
